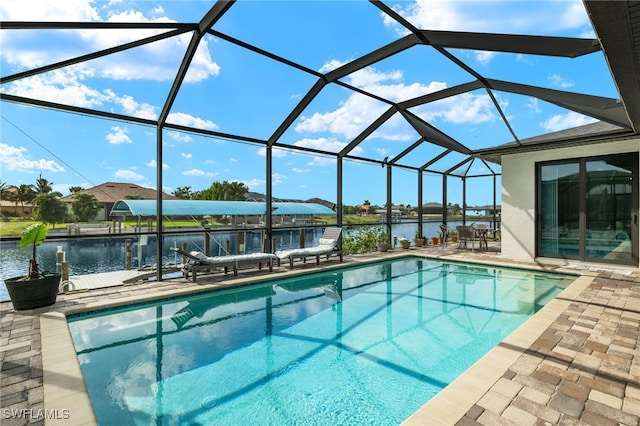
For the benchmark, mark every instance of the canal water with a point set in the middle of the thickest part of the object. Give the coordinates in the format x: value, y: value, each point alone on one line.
x: 95, y: 255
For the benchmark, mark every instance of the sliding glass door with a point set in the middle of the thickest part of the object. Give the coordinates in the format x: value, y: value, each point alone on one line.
x: 587, y: 209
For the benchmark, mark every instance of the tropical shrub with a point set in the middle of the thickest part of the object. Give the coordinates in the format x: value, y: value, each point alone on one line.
x: 364, y: 239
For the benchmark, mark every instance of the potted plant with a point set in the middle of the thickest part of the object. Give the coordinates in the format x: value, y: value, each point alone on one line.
x: 382, y: 239
x: 404, y: 243
x: 453, y: 236
x: 434, y: 240
x: 417, y: 241
x: 36, y: 289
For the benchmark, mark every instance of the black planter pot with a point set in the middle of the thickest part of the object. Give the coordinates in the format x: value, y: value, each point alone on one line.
x: 31, y: 294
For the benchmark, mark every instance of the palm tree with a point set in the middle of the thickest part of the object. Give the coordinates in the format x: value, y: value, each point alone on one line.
x: 236, y: 191
x: 4, y: 190
x: 183, y: 192
x: 228, y: 191
x: 43, y: 186
x: 74, y: 189
x: 24, y: 193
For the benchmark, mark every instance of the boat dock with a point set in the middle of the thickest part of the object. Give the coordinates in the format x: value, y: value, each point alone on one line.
x: 112, y: 279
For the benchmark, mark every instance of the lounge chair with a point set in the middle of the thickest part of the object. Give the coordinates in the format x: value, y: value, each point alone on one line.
x: 328, y: 246
x: 198, y: 261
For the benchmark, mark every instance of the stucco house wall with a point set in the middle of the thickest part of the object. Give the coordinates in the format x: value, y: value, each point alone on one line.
x: 519, y: 189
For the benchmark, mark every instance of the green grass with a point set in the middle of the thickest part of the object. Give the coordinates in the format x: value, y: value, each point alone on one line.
x: 14, y: 227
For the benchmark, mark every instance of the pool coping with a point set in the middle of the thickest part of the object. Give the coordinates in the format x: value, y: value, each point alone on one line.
x: 65, y: 390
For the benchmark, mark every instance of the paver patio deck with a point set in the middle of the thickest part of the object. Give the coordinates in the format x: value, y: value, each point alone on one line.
x: 577, y: 363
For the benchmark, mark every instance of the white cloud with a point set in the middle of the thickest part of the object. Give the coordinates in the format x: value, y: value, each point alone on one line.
x: 382, y: 152
x: 179, y: 137
x: 496, y: 17
x: 188, y: 120
x: 566, y: 121
x: 152, y: 61
x: 131, y: 107
x: 559, y: 81
x: 276, y: 152
x: 297, y: 170
x: 326, y: 144
x: 186, y: 155
x: 278, y: 178
x: 14, y: 158
x: 532, y: 105
x: 348, y: 120
x: 321, y: 161
x: 70, y: 85
x: 574, y: 16
x: 464, y: 108
x: 202, y: 66
x: 67, y: 87
x: 256, y: 183
x: 432, y: 15
x: 118, y: 136
x: 354, y: 114
x: 331, y: 65
x: 194, y: 172
x: 154, y: 164
x: 128, y: 174
x: 525, y: 59
x: 39, y: 10
x: 484, y: 57
x: 61, y: 86
x: 391, y: 85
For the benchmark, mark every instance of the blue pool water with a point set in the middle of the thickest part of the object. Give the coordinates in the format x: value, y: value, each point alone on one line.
x: 359, y: 345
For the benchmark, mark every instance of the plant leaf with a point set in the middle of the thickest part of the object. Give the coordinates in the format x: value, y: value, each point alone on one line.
x: 33, y: 234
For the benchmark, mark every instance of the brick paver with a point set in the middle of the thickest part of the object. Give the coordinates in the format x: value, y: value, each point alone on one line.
x: 584, y: 368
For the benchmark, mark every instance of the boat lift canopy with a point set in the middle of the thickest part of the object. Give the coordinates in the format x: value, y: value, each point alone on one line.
x: 214, y: 208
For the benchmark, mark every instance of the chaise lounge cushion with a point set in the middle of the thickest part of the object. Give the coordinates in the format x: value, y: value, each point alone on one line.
x: 325, y: 246
x: 233, y: 258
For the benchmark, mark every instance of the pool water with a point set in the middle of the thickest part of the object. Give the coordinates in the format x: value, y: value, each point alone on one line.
x: 360, y: 345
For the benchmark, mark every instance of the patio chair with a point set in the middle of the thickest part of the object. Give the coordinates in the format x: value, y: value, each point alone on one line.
x: 198, y: 261
x: 466, y: 234
x: 481, y: 234
x: 445, y: 234
x: 329, y: 245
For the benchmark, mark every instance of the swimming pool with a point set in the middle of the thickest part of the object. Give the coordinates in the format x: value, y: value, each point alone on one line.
x: 359, y: 345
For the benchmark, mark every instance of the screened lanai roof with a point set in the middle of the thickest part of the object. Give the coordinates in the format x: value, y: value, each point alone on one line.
x: 214, y: 208
x: 443, y: 87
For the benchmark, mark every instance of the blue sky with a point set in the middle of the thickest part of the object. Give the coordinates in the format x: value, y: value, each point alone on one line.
x: 232, y: 90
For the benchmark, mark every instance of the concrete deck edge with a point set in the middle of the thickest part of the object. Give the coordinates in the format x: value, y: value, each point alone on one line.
x: 65, y: 393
